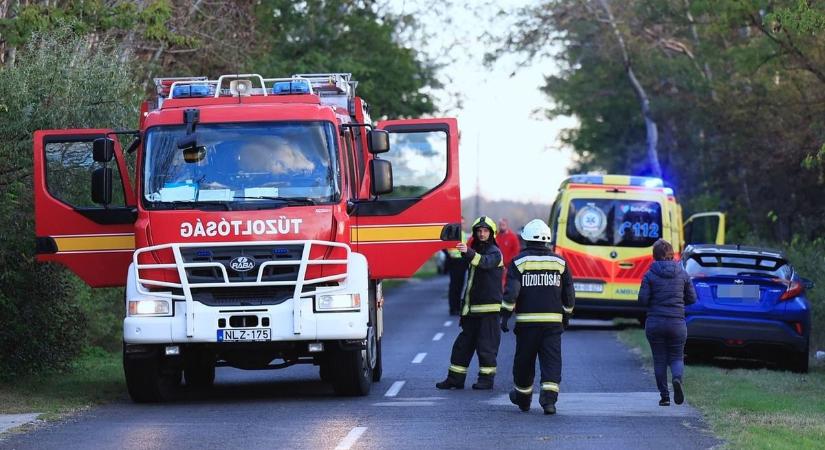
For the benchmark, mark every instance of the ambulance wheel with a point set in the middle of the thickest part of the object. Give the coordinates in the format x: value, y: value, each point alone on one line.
x: 355, y: 368
x: 199, y: 370
x: 147, y: 380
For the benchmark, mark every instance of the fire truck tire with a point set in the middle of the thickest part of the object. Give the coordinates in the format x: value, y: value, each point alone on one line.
x: 354, y: 377
x: 378, y: 370
x: 147, y: 382
x: 326, y: 372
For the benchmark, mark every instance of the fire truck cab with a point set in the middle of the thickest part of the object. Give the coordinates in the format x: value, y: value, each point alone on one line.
x: 251, y: 221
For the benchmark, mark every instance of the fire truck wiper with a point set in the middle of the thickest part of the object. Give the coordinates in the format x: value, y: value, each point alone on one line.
x: 289, y: 201
x: 203, y: 204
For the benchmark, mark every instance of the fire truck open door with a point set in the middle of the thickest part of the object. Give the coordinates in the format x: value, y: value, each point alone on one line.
x: 400, y: 231
x: 94, y: 241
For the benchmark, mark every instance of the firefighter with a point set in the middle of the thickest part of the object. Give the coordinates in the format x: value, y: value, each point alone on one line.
x: 457, y: 269
x: 479, y: 310
x: 540, y: 290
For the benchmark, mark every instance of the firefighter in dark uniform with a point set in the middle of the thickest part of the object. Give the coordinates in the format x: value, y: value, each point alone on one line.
x: 540, y: 290
x: 480, y: 310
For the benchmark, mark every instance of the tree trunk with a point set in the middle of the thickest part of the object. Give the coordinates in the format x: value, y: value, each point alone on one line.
x: 651, y: 129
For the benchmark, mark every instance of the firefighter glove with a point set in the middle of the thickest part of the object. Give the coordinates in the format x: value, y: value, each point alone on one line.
x: 565, y: 321
x: 504, y: 326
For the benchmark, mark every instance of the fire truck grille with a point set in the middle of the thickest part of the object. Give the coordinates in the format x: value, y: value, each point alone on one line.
x: 258, y: 254
x: 243, y: 296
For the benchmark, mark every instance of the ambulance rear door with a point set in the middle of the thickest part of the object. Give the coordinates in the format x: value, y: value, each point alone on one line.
x: 705, y: 228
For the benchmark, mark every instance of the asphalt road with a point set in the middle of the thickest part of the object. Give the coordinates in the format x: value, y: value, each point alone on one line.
x: 607, y: 401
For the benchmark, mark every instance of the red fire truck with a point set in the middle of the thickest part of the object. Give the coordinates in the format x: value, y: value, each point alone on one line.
x: 251, y: 221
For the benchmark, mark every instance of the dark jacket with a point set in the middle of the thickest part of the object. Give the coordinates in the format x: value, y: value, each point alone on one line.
x: 482, y: 293
x: 666, y: 290
x: 539, y: 289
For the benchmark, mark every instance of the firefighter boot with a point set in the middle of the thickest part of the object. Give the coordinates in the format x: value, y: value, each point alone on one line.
x: 453, y: 381
x: 485, y: 382
x: 547, y: 400
x: 520, y: 400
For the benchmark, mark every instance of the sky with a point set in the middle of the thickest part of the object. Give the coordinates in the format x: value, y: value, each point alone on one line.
x: 509, y: 151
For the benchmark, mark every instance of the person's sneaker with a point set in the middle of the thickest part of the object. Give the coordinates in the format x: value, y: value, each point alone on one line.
x: 522, y: 401
x: 664, y: 401
x: 448, y: 384
x: 549, y: 409
x: 678, y: 392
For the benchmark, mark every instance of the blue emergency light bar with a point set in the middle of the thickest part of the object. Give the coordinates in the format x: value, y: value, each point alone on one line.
x: 291, y: 87
x: 192, y: 91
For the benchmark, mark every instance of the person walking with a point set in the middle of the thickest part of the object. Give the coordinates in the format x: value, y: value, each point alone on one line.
x: 479, y: 310
x: 540, y: 291
x: 508, y: 243
x: 666, y: 290
x: 457, y: 270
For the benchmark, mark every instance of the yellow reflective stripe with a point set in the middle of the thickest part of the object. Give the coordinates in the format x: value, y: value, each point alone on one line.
x: 539, y: 317
x: 485, y: 308
x: 568, y: 310
x: 528, y: 390
x: 486, y: 370
x: 501, y: 262
x: 466, y: 309
x: 540, y: 265
x: 476, y: 259
x: 457, y: 369
x: 430, y: 232
x: 94, y: 242
x: 550, y: 386
x: 508, y: 306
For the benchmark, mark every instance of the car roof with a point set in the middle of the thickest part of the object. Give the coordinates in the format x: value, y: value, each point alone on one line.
x: 733, y: 249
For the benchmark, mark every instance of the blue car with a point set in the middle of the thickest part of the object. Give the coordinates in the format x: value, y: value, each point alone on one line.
x: 750, y: 303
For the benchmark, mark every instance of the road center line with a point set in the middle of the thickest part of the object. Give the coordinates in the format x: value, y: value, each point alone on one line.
x: 438, y: 336
x: 418, y: 358
x: 393, y: 390
x: 448, y: 323
x: 350, y: 438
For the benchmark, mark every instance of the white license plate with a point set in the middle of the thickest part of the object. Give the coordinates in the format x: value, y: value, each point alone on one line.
x: 244, y: 335
x: 749, y: 292
x: 589, y: 287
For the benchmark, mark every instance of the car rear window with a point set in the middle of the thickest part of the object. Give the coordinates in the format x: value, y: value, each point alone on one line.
x: 622, y: 223
x: 737, y: 265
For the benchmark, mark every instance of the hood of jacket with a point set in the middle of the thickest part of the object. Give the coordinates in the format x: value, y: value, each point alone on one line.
x: 666, y: 269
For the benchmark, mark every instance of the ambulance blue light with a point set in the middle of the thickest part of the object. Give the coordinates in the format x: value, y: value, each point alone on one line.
x: 653, y: 182
x: 668, y: 191
x: 191, y: 91
x: 290, y: 87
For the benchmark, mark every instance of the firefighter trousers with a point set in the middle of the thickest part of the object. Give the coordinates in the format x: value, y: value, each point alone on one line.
x: 479, y: 334
x: 544, y: 342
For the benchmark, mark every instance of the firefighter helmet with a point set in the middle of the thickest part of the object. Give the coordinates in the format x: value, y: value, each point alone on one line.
x: 536, y: 230
x: 485, y: 222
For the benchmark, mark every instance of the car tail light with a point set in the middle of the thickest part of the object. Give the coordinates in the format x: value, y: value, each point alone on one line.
x: 797, y: 326
x: 794, y: 288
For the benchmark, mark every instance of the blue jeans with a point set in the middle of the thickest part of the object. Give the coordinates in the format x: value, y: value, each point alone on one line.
x: 667, y: 336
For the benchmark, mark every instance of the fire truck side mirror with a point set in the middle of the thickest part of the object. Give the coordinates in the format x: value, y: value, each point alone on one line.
x: 380, y: 176
x: 102, y: 186
x: 451, y: 232
x: 378, y: 141
x: 103, y: 149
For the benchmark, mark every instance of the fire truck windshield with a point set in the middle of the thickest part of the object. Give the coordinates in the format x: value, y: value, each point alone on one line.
x: 256, y: 165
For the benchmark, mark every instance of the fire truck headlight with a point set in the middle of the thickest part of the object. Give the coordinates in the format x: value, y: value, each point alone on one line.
x: 149, y: 308
x: 338, y: 302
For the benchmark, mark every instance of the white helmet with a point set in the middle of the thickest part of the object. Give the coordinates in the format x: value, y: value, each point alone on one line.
x: 536, y: 230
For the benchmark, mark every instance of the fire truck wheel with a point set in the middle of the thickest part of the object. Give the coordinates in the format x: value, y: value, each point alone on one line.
x: 355, y: 368
x: 378, y: 369
x: 147, y: 381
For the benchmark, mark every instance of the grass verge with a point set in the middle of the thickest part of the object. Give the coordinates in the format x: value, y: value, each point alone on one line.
x: 753, y: 408
x: 93, y: 378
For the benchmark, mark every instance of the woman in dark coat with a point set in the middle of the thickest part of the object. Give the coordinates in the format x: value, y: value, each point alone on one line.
x: 666, y: 290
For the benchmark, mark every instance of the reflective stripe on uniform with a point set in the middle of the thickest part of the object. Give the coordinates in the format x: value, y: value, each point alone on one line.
x: 535, y: 262
x: 568, y: 309
x: 476, y: 259
x: 487, y: 370
x: 458, y: 369
x: 507, y: 305
x: 550, y: 386
x: 539, y: 317
x: 485, y: 308
x: 466, y: 308
x: 527, y: 390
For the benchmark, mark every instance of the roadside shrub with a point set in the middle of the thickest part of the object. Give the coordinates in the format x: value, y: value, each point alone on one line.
x: 59, y: 80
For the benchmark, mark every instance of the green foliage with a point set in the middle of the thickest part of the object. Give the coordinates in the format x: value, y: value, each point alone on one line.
x: 60, y: 80
x: 346, y: 36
